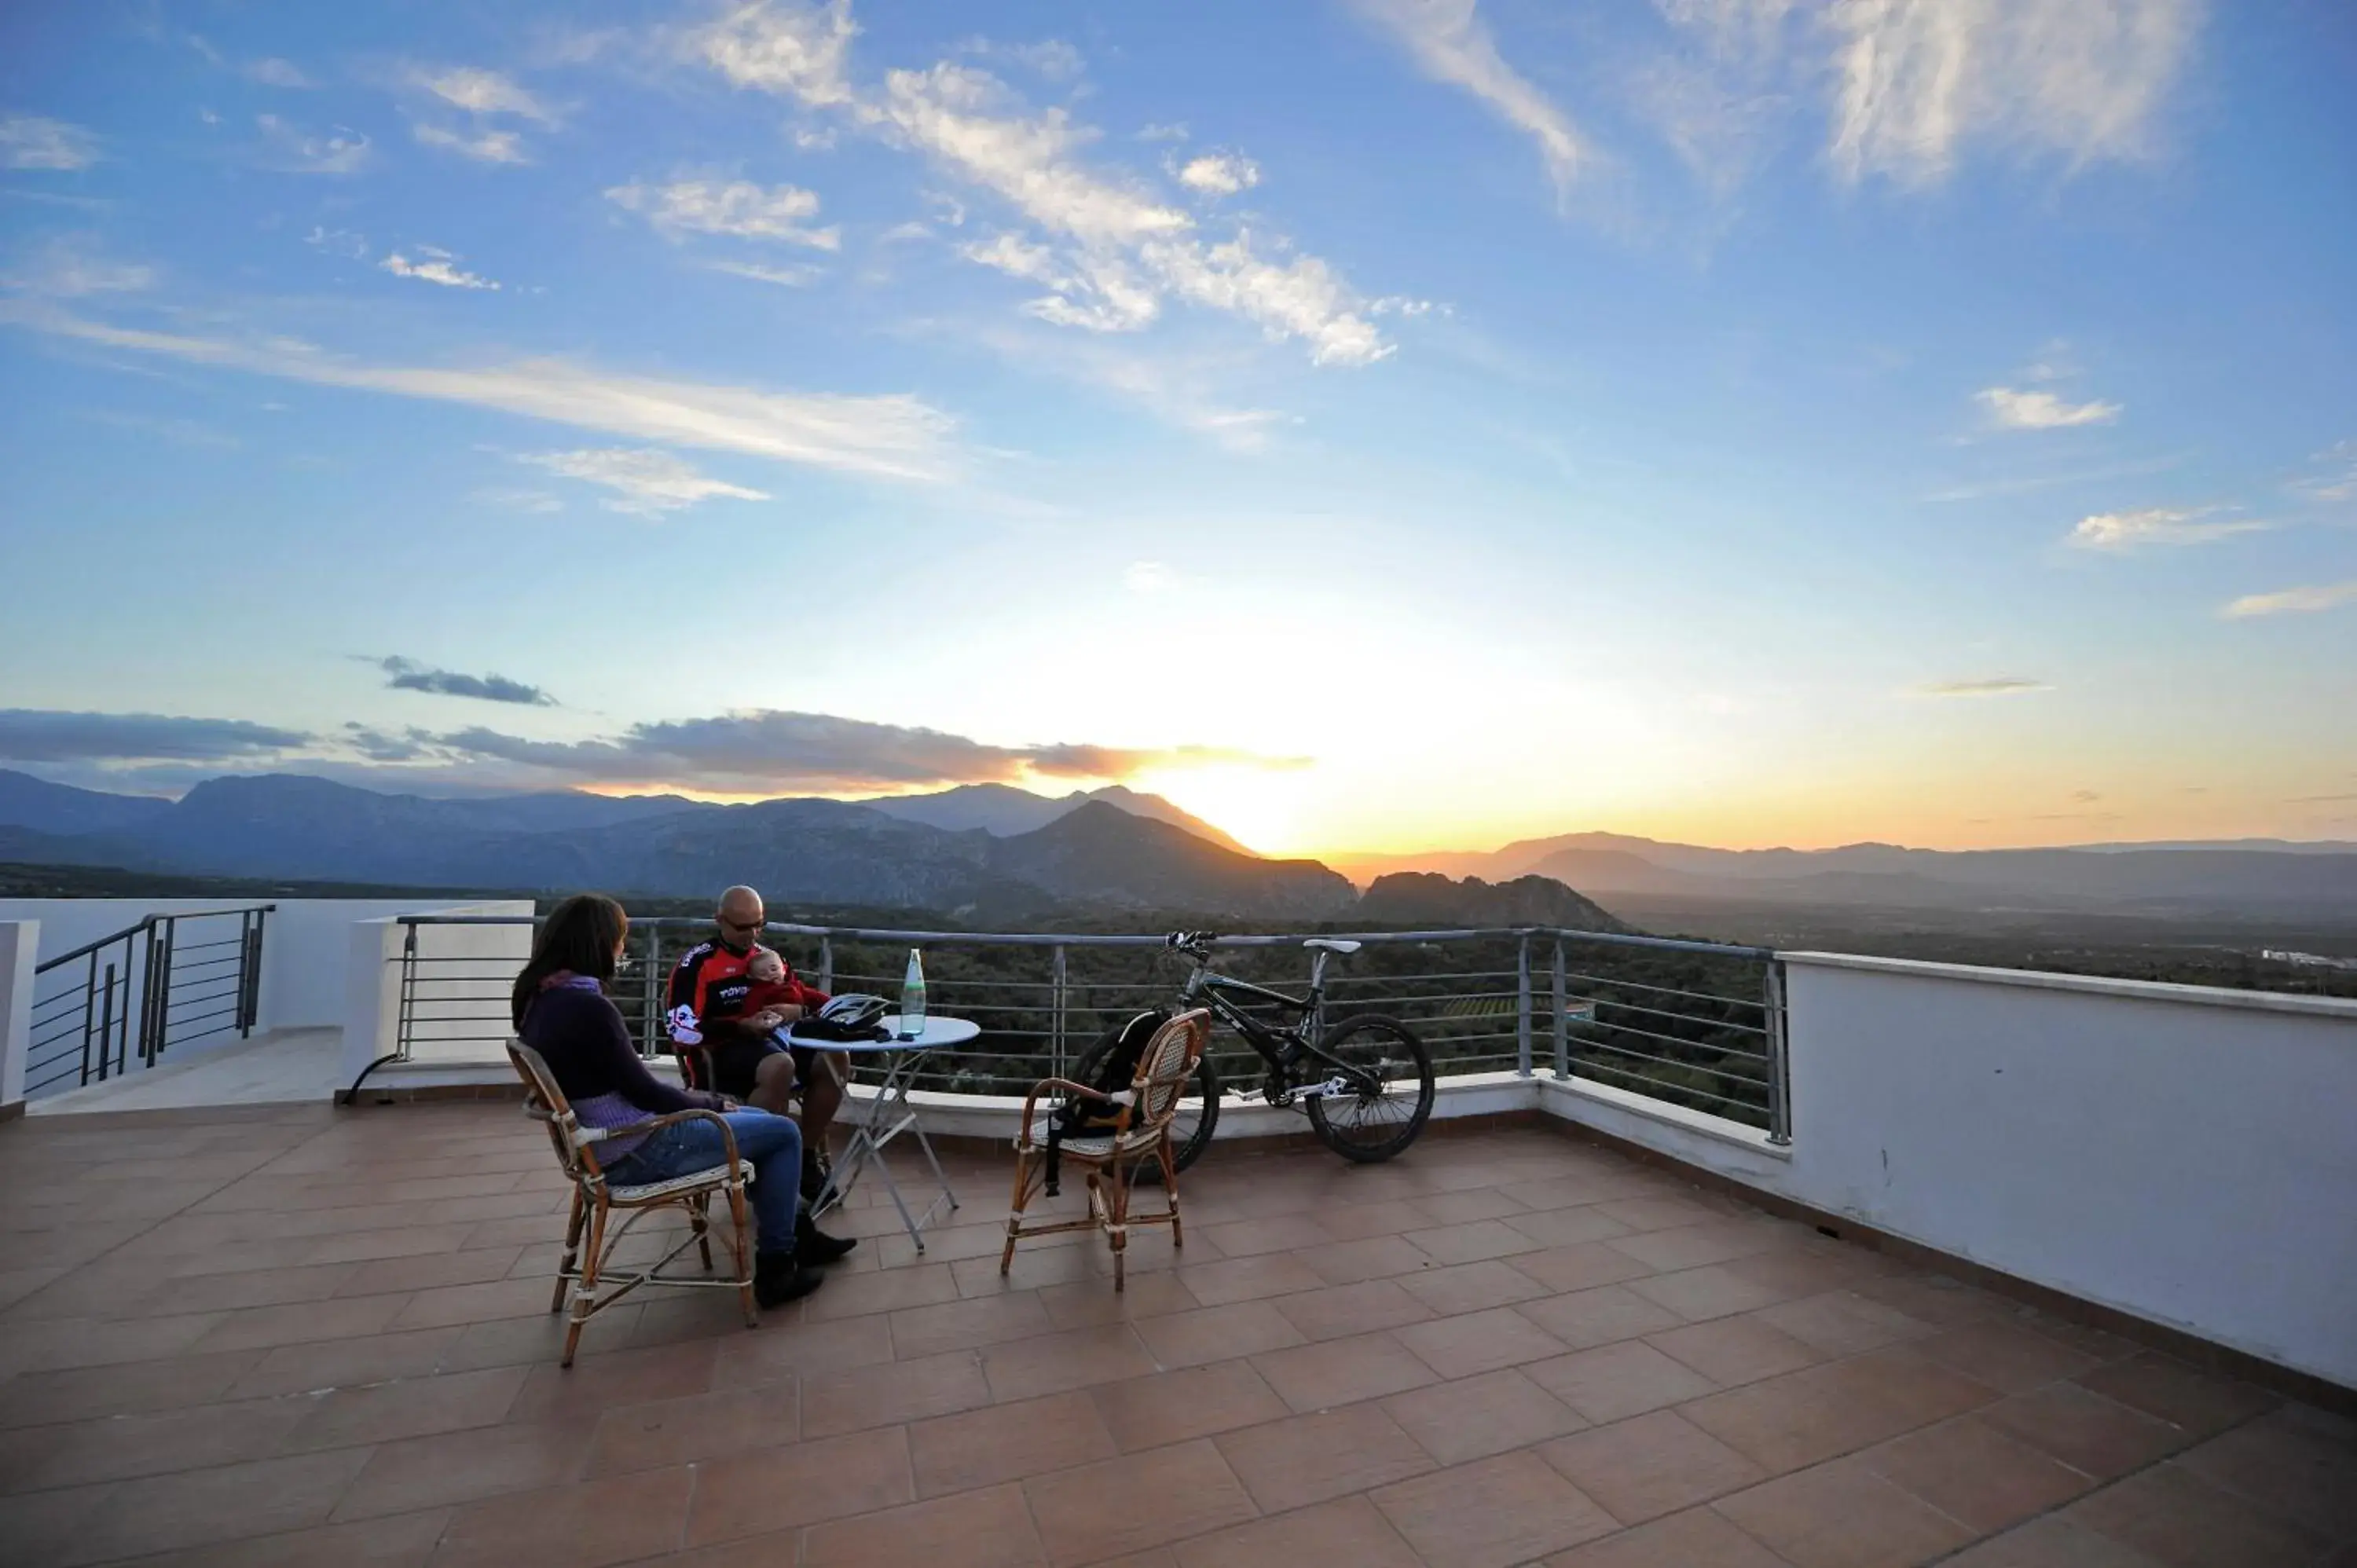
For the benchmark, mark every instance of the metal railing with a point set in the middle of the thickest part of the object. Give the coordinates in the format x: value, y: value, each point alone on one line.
x: 116, y: 1004
x: 1693, y: 1023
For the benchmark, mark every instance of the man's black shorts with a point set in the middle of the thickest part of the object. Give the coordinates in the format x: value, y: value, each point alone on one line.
x: 736, y: 1064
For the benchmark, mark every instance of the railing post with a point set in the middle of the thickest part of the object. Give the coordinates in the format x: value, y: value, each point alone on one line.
x: 651, y: 1000
x: 1562, y: 1015
x: 1059, y: 977
x: 154, y: 993
x: 826, y: 964
x: 106, y: 1026
x: 1522, y: 1007
x: 1779, y: 1089
x: 407, y: 1015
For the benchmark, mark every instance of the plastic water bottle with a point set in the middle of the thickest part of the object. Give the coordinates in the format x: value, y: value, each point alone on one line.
x: 912, y: 998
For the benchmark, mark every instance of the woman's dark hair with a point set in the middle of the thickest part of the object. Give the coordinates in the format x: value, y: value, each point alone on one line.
x: 580, y: 935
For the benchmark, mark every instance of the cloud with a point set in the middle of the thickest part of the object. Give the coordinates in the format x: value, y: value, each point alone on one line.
x: 381, y: 746
x: 1919, y: 78
x: 2155, y: 525
x: 1451, y: 44
x: 1987, y: 686
x: 1219, y: 174
x: 1051, y: 57
x: 2338, y: 484
x: 33, y: 734
x: 2041, y: 410
x: 35, y: 142
x: 2293, y: 601
x: 1149, y: 577
x: 516, y: 498
x: 737, y: 208
x: 484, y: 147
x: 769, y: 749
x: 436, y: 268
x: 893, y: 435
x: 343, y: 242
x: 785, y: 278
x: 68, y: 267
x: 290, y: 150
x: 408, y: 675
x: 648, y: 483
x: 1121, y: 247
x: 1173, y: 133
x: 272, y: 71
x: 481, y: 91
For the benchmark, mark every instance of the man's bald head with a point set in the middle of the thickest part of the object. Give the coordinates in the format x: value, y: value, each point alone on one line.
x: 741, y: 916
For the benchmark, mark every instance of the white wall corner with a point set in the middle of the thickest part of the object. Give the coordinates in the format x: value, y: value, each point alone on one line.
x: 21, y: 942
x: 371, y: 994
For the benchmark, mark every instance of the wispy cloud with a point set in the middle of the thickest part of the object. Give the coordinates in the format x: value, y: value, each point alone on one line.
x: 70, y: 266
x: 436, y: 267
x: 35, y: 142
x: 291, y: 149
x: 646, y: 483
x: 409, y: 675
x: 483, y: 147
x: 2013, y: 410
x: 481, y: 91
x: 1451, y: 44
x: 784, y: 278
x: 2338, y: 481
x: 1122, y: 249
x: 1919, y: 78
x: 1985, y: 686
x: 2293, y: 601
x: 894, y: 436
x: 2157, y: 525
x: 738, y: 208
x: 272, y: 71
x: 33, y: 734
x: 1219, y: 174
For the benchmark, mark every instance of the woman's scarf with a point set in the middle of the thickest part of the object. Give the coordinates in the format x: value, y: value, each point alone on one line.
x: 566, y: 979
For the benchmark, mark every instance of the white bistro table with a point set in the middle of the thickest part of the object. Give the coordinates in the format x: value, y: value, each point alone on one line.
x: 876, y: 1121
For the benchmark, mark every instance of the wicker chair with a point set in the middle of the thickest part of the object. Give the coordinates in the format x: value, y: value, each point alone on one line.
x: 1111, y: 1161
x: 595, y: 1199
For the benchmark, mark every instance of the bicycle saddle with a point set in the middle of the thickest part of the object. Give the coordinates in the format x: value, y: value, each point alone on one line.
x: 1333, y: 944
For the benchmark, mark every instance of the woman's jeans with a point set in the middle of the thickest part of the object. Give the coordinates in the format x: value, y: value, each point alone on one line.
x: 772, y: 1146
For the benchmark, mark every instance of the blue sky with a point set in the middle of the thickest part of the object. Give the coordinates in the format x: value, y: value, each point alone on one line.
x: 1375, y: 423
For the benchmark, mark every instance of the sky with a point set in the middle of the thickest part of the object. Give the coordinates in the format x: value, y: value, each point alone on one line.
x: 1374, y: 424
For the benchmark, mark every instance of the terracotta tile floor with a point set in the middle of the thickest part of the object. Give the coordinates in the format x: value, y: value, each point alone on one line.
x: 274, y: 1336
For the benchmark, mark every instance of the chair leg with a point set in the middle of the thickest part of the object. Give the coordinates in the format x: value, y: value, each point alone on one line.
x: 1020, y: 1201
x: 572, y: 1249
x: 1170, y: 1191
x: 697, y: 1221
x: 1117, y: 1225
x: 740, y: 1243
x: 584, y: 1300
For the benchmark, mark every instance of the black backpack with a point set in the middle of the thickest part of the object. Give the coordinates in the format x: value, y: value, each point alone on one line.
x: 1083, y: 1116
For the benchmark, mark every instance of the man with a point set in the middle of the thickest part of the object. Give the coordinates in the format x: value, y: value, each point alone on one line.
x: 706, y: 1007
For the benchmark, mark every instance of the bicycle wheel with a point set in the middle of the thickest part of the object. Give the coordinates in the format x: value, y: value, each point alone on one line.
x: 1391, y: 1093
x: 1198, y: 1108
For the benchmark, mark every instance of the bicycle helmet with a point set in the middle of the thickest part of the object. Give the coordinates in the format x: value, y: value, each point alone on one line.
x: 853, y: 1015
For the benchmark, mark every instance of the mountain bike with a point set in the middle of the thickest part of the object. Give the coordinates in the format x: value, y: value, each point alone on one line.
x: 1365, y: 1081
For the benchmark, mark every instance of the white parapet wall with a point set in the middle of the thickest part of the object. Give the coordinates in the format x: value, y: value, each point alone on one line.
x: 460, y: 979
x: 18, y: 940
x: 2185, y: 1154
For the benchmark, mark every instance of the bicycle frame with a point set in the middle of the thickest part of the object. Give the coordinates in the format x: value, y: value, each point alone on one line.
x: 1283, y: 1049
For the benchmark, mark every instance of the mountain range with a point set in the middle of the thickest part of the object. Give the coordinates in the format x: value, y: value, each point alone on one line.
x: 2245, y: 877
x: 961, y: 849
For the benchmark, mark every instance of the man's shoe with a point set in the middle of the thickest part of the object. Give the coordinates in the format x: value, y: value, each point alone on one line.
x: 816, y: 1246
x: 816, y: 1170
x: 779, y: 1277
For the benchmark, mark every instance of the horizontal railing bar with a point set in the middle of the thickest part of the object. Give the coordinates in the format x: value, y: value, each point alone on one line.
x: 1114, y: 939
x: 138, y: 925
x: 1663, y: 990
x: 1665, y: 1061
x: 1667, y: 1088
x: 1668, y: 1040
x: 1600, y: 1003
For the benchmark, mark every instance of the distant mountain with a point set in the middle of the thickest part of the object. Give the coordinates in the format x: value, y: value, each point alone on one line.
x: 46, y: 808
x: 1004, y: 810
x: 2272, y: 878
x: 1100, y: 852
x: 1091, y: 853
x: 1427, y: 898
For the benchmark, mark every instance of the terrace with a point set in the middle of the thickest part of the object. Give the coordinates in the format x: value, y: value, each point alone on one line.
x: 1992, y: 1269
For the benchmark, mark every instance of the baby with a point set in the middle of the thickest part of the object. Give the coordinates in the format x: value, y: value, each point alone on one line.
x: 777, y: 998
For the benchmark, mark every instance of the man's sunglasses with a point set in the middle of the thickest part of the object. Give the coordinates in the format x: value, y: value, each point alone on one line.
x: 742, y: 925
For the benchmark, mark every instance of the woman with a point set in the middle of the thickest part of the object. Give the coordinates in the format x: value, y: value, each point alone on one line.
x: 560, y: 1010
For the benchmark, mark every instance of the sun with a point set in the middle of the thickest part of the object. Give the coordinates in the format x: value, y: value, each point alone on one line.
x: 1262, y: 810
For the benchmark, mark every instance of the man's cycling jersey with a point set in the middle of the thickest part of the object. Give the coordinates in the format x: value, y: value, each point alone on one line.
x: 710, y: 985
